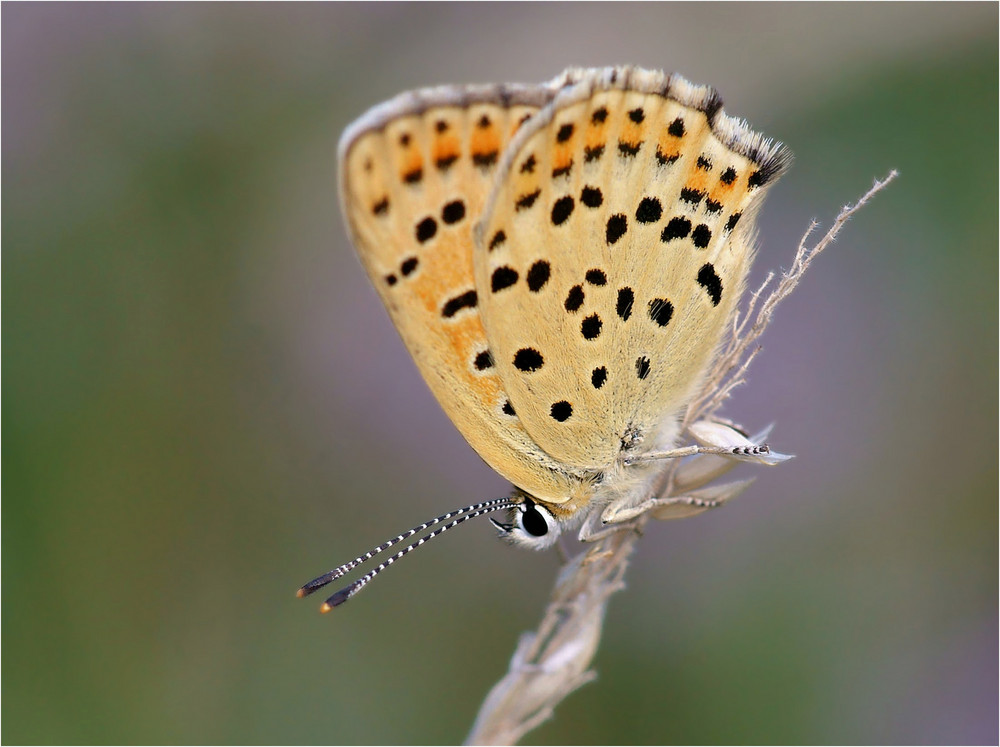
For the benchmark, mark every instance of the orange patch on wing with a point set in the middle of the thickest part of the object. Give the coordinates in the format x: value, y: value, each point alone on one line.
x: 488, y: 387
x: 596, y: 136
x: 446, y: 149
x: 669, y: 147
x: 697, y: 180
x: 724, y: 193
x: 524, y: 183
x: 450, y: 266
x: 459, y: 336
x: 631, y: 132
x: 722, y: 190
x: 430, y: 297
x: 464, y: 337
x: 721, y: 196
x: 412, y: 164
x: 669, y: 154
x: 562, y: 159
x: 485, y: 141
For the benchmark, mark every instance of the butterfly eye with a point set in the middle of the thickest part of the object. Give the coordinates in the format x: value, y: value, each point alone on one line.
x: 533, y: 522
x: 531, y: 525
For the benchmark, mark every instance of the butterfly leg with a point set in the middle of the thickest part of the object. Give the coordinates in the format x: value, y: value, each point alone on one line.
x: 676, y: 507
x: 760, y: 453
x: 718, y: 439
x: 594, y: 529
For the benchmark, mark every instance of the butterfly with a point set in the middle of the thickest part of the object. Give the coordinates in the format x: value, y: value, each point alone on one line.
x: 561, y: 260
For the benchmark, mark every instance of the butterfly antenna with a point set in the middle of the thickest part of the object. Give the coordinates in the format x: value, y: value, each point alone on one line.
x: 343, y: 595
x: 351, y: 589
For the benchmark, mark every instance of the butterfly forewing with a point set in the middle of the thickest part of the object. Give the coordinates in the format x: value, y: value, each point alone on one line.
x: 613, y: 249
x: 415, y: 174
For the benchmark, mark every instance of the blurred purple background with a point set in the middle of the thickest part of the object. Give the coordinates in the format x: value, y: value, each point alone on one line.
x: 206, y: 404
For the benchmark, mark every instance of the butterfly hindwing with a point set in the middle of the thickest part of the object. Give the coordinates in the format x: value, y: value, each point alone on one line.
x: 613, y: 249
x: 415, y: 175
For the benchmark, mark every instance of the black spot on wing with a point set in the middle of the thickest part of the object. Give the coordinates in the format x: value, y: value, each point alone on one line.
x: 453, y: 212
x: 691, y: 196
x: 642, y: 367
x: 616, y: 228
x: 591, y: 197
x: 503, y: 277
x: 649, y: 211
x: 562, y: 209
x: 561, y: 411
x: 485, y: 159
x: 538, y: 275
x: 525, y: 201
x: 528, y: 360
x: 626, y: 299
x: 598, y: 376
x: 483, y: 360
x: 677, y: 228
x: 444, y: 162
x: 467, y: 300
x: 574, y: 299
x: 591, y: 326
x: 660, y: 311
x: 627, y: 149
x: 710, y: 281
x: 701, y: 236
x: 426, y: 229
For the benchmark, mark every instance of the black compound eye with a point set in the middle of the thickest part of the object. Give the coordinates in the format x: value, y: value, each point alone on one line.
x: 533, y: 522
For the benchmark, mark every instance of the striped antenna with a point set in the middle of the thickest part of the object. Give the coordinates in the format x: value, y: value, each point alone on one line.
x: 462, y: 514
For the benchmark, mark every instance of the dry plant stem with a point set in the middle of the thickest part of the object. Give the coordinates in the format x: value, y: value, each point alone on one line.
x: 553, y: 661
x: 728, y: 372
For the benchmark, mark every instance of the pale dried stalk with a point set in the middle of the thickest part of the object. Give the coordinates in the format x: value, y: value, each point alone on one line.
x: 728, y: 372
x: 553, y: 661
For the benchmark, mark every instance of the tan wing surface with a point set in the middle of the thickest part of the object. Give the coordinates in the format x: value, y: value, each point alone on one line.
x: 612, y: 251
x: 415, y: 173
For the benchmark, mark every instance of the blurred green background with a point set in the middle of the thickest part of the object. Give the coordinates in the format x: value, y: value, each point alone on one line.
x: 207, y: 405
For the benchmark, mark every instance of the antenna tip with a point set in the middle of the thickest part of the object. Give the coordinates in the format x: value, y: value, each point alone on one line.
x: 325, y: 607
x: 301, y: 592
